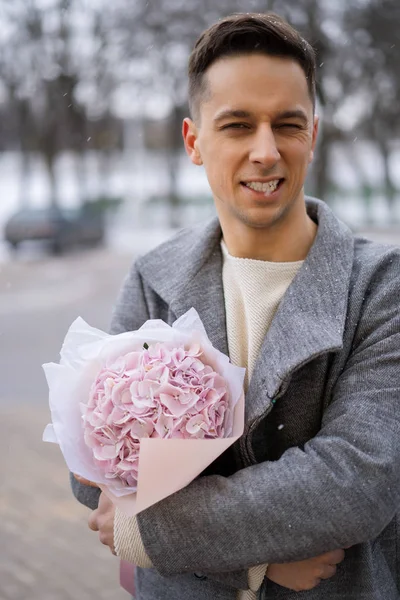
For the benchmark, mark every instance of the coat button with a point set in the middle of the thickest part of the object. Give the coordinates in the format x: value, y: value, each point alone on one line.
x: 200, y: 576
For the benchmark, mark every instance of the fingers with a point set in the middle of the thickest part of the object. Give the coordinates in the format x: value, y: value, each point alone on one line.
x: 104, y: 503
x: 334, y: 557
x: 85, y: 481
x: 330, y: 560
x: 105, y: 540
x: 327, y: 572
x: 102, y: 520
x: 92, y: 521
x: 103, y: 537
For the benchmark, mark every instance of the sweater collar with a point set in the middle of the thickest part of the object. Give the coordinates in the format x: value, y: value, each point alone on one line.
x: 256, y: 261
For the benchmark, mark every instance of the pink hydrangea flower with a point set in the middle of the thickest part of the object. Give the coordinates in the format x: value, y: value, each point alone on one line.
x: 162, y: 391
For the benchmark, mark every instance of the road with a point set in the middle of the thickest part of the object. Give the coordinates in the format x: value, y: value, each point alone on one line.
x: 38, y: 301
x: 47, y: 551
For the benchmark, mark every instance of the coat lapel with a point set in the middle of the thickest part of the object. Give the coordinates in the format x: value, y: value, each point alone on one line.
x: 196, y: 280
x: 205, y: 293
x: 311, y: 317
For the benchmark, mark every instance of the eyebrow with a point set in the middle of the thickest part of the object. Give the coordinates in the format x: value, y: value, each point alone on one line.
x: 231, y: 114
x: 292, y: 114
x: 244, y: 114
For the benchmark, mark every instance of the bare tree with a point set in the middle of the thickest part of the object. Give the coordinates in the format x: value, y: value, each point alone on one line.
x: 375, y: 64
x: 48, y: 53
x: 62, y: 62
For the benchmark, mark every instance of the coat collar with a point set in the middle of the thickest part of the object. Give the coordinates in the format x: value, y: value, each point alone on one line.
x: 311, y: 317
x: 186, y: 272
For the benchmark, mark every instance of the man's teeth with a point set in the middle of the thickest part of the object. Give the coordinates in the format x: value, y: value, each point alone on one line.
x: 268, y: 187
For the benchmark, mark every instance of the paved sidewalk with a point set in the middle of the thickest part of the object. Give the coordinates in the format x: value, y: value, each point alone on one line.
x: 47, y: 552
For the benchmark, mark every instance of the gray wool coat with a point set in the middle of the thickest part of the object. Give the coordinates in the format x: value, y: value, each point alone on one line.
x: 329, y: 372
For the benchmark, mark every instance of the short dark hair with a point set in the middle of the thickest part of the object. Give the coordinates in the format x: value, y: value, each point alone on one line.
x: 249, y: 33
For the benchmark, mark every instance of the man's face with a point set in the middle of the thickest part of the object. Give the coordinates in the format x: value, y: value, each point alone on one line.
x: 255, y: 136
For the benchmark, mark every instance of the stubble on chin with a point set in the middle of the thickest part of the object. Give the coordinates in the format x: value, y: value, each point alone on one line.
x: 268, y: 220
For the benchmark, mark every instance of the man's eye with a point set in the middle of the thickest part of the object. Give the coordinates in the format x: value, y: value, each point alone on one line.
x: 289, y: 126
x: 235, y: 126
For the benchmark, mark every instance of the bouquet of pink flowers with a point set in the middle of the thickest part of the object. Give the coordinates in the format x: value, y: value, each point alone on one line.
x: 142, y: 413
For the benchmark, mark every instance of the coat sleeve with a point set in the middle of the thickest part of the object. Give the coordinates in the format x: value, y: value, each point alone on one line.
x: 130, y: 312
x: 341, y: 489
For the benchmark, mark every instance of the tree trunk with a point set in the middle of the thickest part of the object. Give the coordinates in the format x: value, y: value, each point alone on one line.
x: 173, y: 164
x: 81, y: 178
x: 389, y: 188
x: 50, y: 164
x: 364, y: 186
x: 105, y: 163
x: 25, y: 135
x: 174, y: 203
x: 25, y: 170
x: 321, y: 167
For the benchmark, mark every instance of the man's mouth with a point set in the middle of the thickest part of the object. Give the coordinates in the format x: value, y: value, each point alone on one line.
x: 265, y: 187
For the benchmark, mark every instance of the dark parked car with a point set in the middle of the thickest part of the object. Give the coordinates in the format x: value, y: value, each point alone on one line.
x: 61, y: 228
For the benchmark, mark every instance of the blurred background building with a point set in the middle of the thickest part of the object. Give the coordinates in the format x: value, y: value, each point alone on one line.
x: 92, y: 96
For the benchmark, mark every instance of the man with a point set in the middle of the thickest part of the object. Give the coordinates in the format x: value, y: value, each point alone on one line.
x: 312, y: 313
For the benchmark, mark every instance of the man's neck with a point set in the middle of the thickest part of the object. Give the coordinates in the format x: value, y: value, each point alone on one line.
x: 288, y: 243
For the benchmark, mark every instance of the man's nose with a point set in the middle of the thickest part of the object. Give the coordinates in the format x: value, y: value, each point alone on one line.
x: 264, y: 150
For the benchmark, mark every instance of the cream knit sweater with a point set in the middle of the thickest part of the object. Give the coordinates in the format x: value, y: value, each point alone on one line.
x: 253, y: 290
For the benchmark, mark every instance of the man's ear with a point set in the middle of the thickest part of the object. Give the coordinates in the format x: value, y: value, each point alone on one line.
x: 189, y: 133
x: 314, y: 138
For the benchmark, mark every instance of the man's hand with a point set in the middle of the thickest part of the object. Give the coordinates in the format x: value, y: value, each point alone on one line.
x: 102, y: 520
x: 305, y: 574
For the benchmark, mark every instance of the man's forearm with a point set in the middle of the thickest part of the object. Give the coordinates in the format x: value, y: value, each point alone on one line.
x: 341, y: 490
x: 129, y: 547
x: 277, y: 512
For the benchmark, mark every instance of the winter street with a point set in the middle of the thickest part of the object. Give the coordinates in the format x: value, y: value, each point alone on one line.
x: 48, y: 552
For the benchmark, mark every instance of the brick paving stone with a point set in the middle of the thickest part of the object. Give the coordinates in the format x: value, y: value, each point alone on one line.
x: 47, y: 550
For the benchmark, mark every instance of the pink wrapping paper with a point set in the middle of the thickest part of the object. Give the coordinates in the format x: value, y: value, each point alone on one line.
x: 127, y: 576
x: 168, y: 465
x: 158, y: 478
